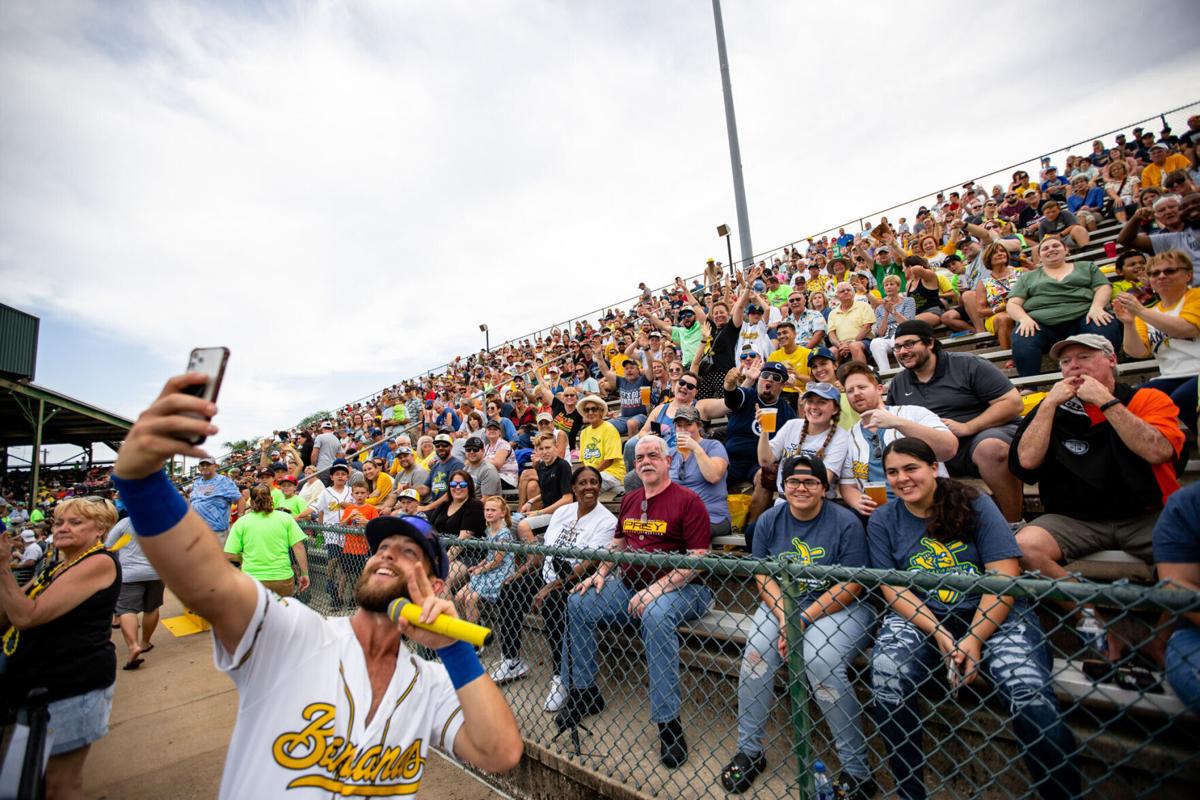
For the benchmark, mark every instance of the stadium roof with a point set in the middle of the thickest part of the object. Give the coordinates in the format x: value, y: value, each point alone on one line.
x: 64, y: 420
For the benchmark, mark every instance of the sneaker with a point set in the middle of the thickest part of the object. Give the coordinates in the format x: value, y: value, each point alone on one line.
x: 557, y: 695
x: 852, y: 787
x: 580, y: 704
x: 510, y: 669
x: 672, y: 746
x: 741, y: 772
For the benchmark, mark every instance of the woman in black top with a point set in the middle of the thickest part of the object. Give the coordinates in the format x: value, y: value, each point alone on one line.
x: 306, y: 447
x: 462, y: 517
x: 924, y: 288
x: 63, y: 642
x: 721, y: 337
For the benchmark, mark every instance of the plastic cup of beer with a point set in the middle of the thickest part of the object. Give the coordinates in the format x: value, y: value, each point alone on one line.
x: 877, y: 492
x: 767, y: 419
x: 645, y: 395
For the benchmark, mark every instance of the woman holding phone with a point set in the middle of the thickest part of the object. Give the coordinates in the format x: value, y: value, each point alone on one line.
x: 941, y: 526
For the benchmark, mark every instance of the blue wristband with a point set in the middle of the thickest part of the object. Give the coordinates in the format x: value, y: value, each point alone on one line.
x: 807, y: 620
x: 461, y: 663
x: 155, y: 505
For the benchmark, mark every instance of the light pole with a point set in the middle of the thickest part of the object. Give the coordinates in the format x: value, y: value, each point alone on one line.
x: 735, y: 153
x: 723, y: 231
x: 487, y: 345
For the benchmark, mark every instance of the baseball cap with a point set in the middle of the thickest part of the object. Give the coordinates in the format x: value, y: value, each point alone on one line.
x: 376, y: 432
x: 825, y: 390
x: 205, y: 460
x: 326, y: 425
x: 414, y: 528
x: 28, y: 536
x: 777, y: 368
x: 820, y: 352
x: 286, y: 479
x: 915, y: 327
x: 403, y: 450
x: 493, y: 423
x: 545, y: 416
x: 1092, y: 340
x: 753, y: 309
x: 443, y: 438
x: 277, y: 466
x: 805, y: 465
x: 339, y: 464
x: 474, y: 443
x: 1159, y: 145
x: 687, y: 414
x: 409, y: 494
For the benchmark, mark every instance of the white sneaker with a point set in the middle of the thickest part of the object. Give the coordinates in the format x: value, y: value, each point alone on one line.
x: 557, y: 696
x: 509, y: 670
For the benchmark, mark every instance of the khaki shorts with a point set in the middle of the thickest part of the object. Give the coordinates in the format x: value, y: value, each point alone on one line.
x: 1078, y: 538
x: 283, y: 588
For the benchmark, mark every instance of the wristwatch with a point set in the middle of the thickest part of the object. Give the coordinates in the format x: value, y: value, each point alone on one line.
x: 1110, y: 404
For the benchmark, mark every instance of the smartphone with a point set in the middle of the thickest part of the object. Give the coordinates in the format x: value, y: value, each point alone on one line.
x: 211, y: 361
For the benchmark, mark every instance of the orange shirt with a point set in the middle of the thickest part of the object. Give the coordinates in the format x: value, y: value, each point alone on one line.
x: 356, y: 543
x: 1156, y: 409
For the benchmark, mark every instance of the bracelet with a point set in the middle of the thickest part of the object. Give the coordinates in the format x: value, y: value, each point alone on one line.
x: 155, y: 505
x: 806, y: 619
x: 461, y: 663
x: 1110, y: 404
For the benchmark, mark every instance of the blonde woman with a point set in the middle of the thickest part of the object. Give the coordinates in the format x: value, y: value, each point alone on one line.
x: 57, y: 636
x: 494, y: 568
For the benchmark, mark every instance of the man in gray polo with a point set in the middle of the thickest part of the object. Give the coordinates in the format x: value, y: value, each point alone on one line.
x: 972, y: 397
x: 325, y: 450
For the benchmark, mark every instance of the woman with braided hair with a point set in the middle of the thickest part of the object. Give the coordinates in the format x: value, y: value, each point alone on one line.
x: 814, y: 433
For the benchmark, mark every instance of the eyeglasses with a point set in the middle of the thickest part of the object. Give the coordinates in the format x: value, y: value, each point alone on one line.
x: 771, y: 376
x: 457, y: 484
x: 807, y: 484
x: 1164, y: 272
x: 908, y: 345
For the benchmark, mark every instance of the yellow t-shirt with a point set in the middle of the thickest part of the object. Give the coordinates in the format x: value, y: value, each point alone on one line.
x: 846, y: 324
x: 600, y: 444
x: 1153, y: 174
x: 798, y: 361
x: 383, y: 487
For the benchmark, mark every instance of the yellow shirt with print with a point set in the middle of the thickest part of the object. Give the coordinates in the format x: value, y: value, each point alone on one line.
x: 601, y: 444
x: 1153, y: 174
x: 798, y: 361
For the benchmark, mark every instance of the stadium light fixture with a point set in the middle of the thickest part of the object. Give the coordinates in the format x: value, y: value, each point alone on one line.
x: 487, y: 344
x: 723, y: 231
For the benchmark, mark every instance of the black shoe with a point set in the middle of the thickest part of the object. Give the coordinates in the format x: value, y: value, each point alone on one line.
x: 741, y: 772
x: 672, y: 747
x: 854, y: 788
x: 581, y: 704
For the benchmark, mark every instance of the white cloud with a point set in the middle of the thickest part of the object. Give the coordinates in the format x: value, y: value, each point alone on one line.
x: 371, y: 181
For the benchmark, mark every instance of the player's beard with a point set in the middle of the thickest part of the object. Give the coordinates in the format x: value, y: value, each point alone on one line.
x: 377, y: 599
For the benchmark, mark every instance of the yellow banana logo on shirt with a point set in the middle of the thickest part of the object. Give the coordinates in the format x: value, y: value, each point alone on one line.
x: 941, y: 558
x: 806, y: 556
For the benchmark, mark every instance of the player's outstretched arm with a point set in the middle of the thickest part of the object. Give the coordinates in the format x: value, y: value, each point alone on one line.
x: 178, y: 543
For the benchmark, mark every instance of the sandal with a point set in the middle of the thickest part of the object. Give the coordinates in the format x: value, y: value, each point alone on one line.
x: 738, y: 776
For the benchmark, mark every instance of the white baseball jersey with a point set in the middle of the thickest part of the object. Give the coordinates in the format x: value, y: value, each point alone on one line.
x: 303, y: 699
x: 330, y: 503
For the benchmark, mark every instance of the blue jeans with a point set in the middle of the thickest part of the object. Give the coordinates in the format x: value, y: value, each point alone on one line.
x: 1183, y: 665
x: 659, y: 622
x: 1017, y: 663
x: 830, y: 644
x: 1027, y: 351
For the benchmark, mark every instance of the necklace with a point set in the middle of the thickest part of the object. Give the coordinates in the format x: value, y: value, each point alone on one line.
x: 12, y: 636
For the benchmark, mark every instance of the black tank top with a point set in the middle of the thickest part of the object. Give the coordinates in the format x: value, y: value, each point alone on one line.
x: 925, y: 298
x: 71, y: 655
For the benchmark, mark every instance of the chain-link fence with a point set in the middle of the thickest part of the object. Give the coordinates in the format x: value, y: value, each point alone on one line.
x: 1000, y: 687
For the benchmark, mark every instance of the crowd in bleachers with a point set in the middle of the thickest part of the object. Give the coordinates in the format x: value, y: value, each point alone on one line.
x: 758, y: 400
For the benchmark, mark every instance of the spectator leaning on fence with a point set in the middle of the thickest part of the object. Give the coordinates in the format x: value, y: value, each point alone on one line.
x: 660, y: 517
x: 543, y: 583
x: 1103, y: 457
x: 938, y: 526
x: 806, y: 530
x: 974, y: 400
x: 1177, y: 559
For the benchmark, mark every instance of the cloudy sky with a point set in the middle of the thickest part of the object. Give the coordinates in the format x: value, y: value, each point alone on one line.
x: 341, y: 192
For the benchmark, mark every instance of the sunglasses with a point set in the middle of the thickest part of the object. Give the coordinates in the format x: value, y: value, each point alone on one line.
x: 687, y: 385
x: 746, y: 356
x: 473, y: 449
x: 1164, y: 272
x: 457, y: 484
x: 771, y: 376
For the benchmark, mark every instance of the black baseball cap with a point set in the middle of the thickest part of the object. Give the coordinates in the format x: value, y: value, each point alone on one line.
x: 415, y: 528
x: 805, y: 465
x: 915, y: 327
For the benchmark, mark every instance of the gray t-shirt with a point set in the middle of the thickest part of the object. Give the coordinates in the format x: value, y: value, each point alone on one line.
x: 135, y: 567
x: 329, y: 446
x: 417, y: 476
x: 962, y: 387
x: 486, y: 477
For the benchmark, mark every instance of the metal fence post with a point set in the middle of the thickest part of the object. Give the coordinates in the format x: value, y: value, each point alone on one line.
x: 798, y: 689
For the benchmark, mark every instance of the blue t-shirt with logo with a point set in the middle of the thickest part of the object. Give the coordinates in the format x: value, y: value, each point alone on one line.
x: 631, y: 396
x: 439, y: 477
x: 899, y: 540
x: 741, y: 431
x: 834, y: 537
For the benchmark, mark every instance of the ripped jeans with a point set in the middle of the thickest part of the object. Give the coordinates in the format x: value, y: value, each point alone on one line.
x: 829, y: 646
x: 1015, y: 660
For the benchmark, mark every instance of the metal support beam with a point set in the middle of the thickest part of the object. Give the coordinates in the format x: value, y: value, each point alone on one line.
x: 37, y: 453
x: 735, y: 151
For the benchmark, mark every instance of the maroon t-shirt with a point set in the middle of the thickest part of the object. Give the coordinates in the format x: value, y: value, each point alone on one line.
x: 676, y: 521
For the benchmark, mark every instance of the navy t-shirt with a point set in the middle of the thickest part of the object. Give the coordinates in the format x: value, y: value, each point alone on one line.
x: 1176, y: 537
x: 899, y: 540
x: 631, y: 396
x: 439, y: 477
x: 741, y: 433
x: 833, y: 537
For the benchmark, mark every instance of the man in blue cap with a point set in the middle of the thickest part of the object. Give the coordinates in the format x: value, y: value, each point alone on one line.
x: 360, y: 713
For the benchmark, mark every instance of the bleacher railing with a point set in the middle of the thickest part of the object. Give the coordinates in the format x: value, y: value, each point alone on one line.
x: 865, y: 692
